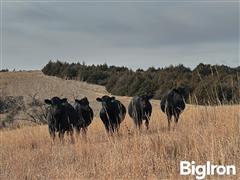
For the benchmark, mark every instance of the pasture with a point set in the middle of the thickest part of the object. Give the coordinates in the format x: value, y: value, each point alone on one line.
x: 203, y: 134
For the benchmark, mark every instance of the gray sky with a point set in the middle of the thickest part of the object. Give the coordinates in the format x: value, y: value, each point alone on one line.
x: 133, y: 34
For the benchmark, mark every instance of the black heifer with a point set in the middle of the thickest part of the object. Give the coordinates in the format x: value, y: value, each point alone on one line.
x: 75, y: 120
x: 112, y: 113
x: 84, y: 112
x: 61, y: 117
x: 173, y: 103
x: 140, y: 109
x: 57, y: 117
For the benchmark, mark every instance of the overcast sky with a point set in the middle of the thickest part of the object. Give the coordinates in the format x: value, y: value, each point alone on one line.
x: 133, y: 34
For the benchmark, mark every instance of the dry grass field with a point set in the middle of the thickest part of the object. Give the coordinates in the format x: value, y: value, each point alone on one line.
x: 203, y: 134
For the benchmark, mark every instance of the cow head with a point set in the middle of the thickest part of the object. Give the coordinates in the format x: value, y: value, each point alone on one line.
x: 56, y: 107
x: 145, y: 99
x: 55, y: 101
x: 83, y: 102
x: 182, y: 91
x: 106, y: 101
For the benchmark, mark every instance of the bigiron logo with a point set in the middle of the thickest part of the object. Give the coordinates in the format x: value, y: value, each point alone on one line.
x: 201, y: 171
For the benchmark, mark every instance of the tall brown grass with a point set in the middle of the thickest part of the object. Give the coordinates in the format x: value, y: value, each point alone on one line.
x: 203, y: 134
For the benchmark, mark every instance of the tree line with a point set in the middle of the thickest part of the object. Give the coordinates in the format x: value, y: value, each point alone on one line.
x: 205, y: 84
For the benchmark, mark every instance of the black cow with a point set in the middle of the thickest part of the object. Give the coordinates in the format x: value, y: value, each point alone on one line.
x: 58, y: 117
x: 140, y: 109
x: 112, y: 113
x: 84, y: 112
x: 173, y: 103
x: 75, y: 120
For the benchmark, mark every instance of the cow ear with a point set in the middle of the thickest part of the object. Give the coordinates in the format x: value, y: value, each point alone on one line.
x: 112, y: 98
x: 47, y: 101
x: 77, y: 101
x: 64, y: 100
x: 99, y: 99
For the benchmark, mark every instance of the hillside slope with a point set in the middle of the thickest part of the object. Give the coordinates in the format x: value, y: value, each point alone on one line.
x: 27, y: 84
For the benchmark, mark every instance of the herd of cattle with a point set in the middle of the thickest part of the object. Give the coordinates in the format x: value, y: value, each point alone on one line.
x: 63, y: 117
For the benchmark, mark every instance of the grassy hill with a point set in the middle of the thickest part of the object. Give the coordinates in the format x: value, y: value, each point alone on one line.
x: 30, y: 83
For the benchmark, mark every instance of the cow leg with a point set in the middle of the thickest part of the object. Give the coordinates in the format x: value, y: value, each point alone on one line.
x: 176, y: 117
x: 53, y: 136
x: 84, y: 133
x: 116, y: 128
x: 169, y: 117
x: 71, y: 136
x: 52, y: 133
x: 61, y: 136
x: 107, y: 128
x: 84, y: 130
x: 113, y: 127
x: 78, y: 129
x: 136, y: 123
x: 140, y: 123
x: 147, y: 123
